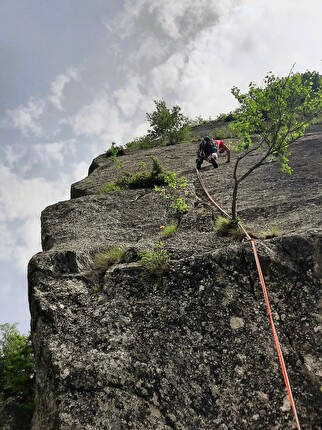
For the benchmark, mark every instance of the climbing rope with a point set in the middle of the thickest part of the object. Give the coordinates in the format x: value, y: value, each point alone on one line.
x: 209, y: 195
x: 268, y: 306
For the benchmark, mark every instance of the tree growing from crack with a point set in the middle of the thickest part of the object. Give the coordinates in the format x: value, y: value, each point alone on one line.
x: 268, y: 120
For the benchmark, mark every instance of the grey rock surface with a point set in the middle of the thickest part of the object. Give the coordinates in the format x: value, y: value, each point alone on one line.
x: 117, y: 349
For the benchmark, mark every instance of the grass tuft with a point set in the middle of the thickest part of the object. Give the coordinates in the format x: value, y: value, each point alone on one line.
x: 155, y: 262
x: 105, y: 259
x: 110, y: 187
x: 225, y: 227
x: 169, y: 231
x: 266, y: 234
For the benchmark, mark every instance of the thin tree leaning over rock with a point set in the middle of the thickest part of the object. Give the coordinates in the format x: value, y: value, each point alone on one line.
x: 269, y: 119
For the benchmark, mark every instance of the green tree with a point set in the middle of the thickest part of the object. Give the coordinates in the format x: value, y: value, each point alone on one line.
x: 16, y: 377
x: 269, y: 119
x: 169, y: 126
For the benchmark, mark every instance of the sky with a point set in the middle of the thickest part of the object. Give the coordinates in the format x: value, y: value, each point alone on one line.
x: 77, y: 75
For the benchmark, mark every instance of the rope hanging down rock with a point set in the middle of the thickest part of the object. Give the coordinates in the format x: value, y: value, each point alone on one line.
x: 267, y: 302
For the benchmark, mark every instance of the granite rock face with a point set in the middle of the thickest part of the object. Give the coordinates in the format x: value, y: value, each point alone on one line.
x: 117, y: 349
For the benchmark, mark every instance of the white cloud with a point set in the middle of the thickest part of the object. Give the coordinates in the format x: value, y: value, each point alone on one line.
x: 26, y: 118
x: 168, y: 75
x: 80, y: 170
x: 31, y: 243
x: 53, y: 153
x: 58, y: 85
x: 102, y: 119
x: 129, y: 97
x: 4, y: 291
x: 14, y: 303
x: 178, y: 18
x: 150, y: 50
x: 10, y: 155
x: 8, y: 242
x: 239, y: 48
x: 21, y: 202
x: 140, y: 130
x: 21, y: 198
x: 95, y: 118
x: 175, y: 20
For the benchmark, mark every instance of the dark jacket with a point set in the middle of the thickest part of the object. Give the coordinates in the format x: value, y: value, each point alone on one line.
x: 207, y: 147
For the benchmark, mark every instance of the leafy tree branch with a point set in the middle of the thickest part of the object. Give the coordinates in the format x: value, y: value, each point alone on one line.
x: 274, y: 117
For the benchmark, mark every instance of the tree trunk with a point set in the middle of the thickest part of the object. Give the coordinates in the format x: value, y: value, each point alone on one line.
x: 234, y: 201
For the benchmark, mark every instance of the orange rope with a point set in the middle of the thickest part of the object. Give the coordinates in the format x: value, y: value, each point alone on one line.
x: 275, y: 336
x: 269, y: 311
x: 209, y: 196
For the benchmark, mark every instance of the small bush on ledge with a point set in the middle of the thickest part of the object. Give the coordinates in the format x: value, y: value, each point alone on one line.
x: 110, y: 187
x: 168, y: 230
x: 175, y: 193
x: 144, y: 142
x: 155, y: 262
x: 105, y: 259
x: 115, y: 151
x: 226, y: 227
x: 141, y: 179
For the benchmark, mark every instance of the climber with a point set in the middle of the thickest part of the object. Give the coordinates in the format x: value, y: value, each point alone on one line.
x: 207, y: 150
x: 222, y: 147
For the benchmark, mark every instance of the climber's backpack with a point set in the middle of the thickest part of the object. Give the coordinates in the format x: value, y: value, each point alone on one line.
x: 207, y: 147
